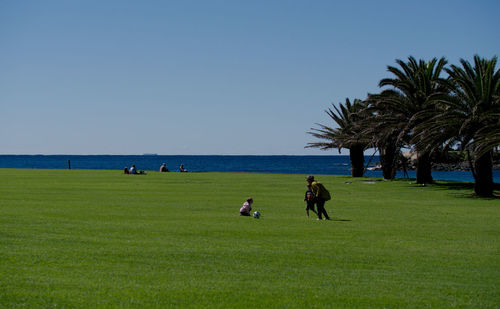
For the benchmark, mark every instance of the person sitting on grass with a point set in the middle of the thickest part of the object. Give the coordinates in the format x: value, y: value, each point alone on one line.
x: 246, y: 208
x: 310, y: 200
x: 182, y: 169
x: 133, y: 170
x: 125, y: 170
x: 163, y: 168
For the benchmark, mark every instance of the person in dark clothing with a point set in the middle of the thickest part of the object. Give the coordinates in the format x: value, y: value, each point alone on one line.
x: 163, y: 168
x: 182, y: 169
x: 322, y: 195
x: 310, y: 200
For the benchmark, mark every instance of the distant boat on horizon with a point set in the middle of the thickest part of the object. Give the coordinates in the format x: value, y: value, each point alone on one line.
x: 150, y: 154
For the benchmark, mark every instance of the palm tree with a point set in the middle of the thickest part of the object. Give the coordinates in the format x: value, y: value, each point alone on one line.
x: 345, y: 136
x: 413, y: 88
x: 381, y: 125
x: 469, y: 117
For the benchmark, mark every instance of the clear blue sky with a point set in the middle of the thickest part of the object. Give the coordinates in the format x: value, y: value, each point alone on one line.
x: 209, y: 77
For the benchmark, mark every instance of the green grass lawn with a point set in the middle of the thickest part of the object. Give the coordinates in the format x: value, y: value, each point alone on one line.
x: 86, y: 238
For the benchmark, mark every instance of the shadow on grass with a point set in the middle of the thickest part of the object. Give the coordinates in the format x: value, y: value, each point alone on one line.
x: 465, y: 189
x: 341, y: 220
x: 459, y: 186
x: 461, y: 189
x: 364, y: 180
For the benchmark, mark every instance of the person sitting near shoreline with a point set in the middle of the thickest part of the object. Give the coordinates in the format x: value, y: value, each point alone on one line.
x: 133, y: 170
x: 246, y: 208
x: 163, y: 168
x: 125, y: 170
x: 182, y: 169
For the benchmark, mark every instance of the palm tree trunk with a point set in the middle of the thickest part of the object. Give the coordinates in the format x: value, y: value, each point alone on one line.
x: 483, y: 185
x: 356, y: 154
x: 387, y: 160
x: 424, y: 168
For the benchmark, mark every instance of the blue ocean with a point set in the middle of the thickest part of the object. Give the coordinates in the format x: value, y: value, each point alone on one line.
x: 316, y: 165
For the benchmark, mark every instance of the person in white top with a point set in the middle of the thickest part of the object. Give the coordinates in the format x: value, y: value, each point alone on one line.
x: 246, y: 208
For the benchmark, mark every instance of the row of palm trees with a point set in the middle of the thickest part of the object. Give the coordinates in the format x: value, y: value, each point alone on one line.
x: 428, y: 107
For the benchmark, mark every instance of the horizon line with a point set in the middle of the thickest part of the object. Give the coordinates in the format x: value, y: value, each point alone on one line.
x: 154, y: 154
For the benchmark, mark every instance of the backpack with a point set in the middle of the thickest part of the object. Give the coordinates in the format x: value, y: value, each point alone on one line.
x: 323, y: 192
x: 326, y: 194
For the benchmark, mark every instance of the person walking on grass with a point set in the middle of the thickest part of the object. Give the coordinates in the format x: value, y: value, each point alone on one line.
x: 322, y: 195
x: 310, y: 200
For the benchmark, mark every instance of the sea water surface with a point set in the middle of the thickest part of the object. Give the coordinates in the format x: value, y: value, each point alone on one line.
x: 314, y: 165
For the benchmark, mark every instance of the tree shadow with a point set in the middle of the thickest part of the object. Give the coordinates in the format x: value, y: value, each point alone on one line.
x: 461, y: 187
x: 455, y: 188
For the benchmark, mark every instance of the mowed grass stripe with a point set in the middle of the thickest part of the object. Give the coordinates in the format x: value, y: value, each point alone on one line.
x: 86, y: 238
